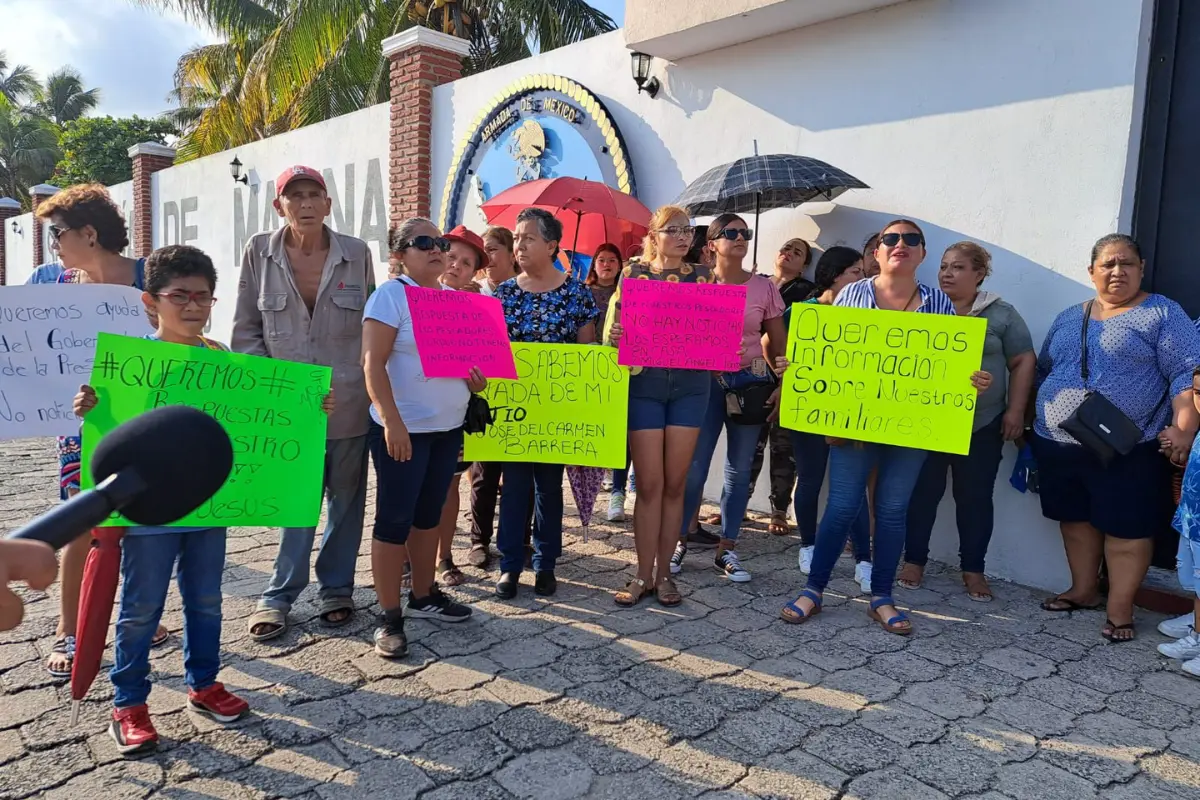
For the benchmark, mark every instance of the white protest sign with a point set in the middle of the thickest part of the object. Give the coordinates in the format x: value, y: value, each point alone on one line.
x: 47, y: 344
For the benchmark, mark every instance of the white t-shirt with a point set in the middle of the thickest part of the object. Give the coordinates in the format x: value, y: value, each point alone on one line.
x: 426, y: 405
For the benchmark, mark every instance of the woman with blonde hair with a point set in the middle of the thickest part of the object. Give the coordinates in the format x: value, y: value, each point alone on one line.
x: 666, y: 410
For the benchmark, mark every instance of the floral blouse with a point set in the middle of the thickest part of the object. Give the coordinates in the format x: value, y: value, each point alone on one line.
x: 554, y: 317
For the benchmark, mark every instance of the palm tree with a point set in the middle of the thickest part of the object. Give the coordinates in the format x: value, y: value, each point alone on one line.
x: 28, y: 151
x: 290, y: 63
x: 63, y: 98
x: 17, y: 84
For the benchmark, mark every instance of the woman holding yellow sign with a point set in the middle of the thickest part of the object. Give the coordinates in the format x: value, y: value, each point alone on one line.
x: 901, y: 250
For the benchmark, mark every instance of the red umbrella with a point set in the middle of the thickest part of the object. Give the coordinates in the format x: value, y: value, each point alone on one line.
x: 100, y: 575
x: 592, y: 213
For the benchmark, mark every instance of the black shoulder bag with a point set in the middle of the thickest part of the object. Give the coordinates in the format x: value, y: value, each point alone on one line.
x: 1097, y: 424
x: 479, y: 415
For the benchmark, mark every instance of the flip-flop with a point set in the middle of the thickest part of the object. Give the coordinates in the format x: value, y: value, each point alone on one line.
x: 452, y: 576
x: 162, y: 639
x: 1110, y: 628
x: 1068, y: 605
x: 267, y: 616
x: 798, y: 614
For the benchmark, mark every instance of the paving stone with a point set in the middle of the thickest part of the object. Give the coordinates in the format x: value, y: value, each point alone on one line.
x: 1042, y: 780
x: 388, y: 697
x: 763, y: 732
x: 741, y: 620
x: 645, y: 784
x: 656, y: 681
x: 941, y: 650
x: 294, y: 770
x: 1094, y: 676
x: 1143, y: 787
x: 1094, y: 762
x: 459, y: 640
x: 1052, y: 647
x: 579, y: 636
x: 832, y: 656
x: 128, y: 780
x: 1173, y: 686
x: 693, y: 633
x: 1117, y: 731
x: 787, y: 672
x: 483, y: 789
x: 1065, y: 694
x: 1019, y: 663
x: 710, y: 661
x: 11, y: 746
x: 903, y: 724
x: 54, y: 728
x: 871, y: 640
x: 683, y: 717
x: 525, y: 653
x: 589, y: 666
x: 950, y: 766
x: 1186, y: 742
x: 987, y: 682
x: 463, y: 711
x: 1150, y: 710
x: 944, y: 699
x: 818, y: 707
x: 529, y: 686
x: 652, y: 646
x: 383, y: 737
x: 210, y: 789
x: 906, y: 668
x: 741, y: 692
x: 794, y: 775
x: 853, y: 748
x: 546, y: 775
x: 530, y: 728
x: 458, y: 674
x: 604, y: 755
x: 390, y: 777
x: 706, y: 764
x: 44, y: 770
x: 215, y: 753
x: 1034, y: 716
x: 310, y: 722
x: 458, y: 758
x: 863, y: 685
x: 1182, y: 773
x: 598, y: 703
x: 22, y: 707
x: 993, y: 739
x: 13, y: 655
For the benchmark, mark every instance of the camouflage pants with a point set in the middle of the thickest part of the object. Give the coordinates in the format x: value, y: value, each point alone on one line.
x: 783, y: 465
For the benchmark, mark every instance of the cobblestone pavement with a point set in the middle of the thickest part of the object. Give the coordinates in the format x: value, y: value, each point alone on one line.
x: 571, y: 697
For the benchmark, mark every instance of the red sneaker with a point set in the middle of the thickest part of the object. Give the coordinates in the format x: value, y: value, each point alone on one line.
x: 217, y: 704
x: 132, y: 730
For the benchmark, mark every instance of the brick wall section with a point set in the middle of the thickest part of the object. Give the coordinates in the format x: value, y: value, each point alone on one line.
x: 415, y: 73
x: 141, y: 226
x: 5, y: 231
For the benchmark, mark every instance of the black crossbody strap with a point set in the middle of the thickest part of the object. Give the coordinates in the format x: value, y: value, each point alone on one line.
x: 1083, y: 358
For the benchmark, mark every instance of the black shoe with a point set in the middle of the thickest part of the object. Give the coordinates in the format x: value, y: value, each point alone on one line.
x: 437, y: 606
x: 390, y: 641
x: 506, y: 587
x: 545, y: 584
x: 479, y: 555
x: 703, y: 538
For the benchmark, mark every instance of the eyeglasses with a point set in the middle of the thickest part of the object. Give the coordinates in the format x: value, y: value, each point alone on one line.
x: 425, y: 244
x: 181, y: 298
x: 56, y: 231
x: 732, y: 234
x: 679, y: 231
x: 910, y: 239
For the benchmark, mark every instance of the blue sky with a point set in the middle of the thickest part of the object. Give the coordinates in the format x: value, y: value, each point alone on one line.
x: 127, y: 50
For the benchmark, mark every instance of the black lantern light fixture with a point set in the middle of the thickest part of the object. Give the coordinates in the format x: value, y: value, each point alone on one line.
x: 235, y: 169
x: 640, y: 63
x: 16, y: 227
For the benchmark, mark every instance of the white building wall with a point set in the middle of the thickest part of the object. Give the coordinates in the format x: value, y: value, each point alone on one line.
x: 122, y: 195
x: 1010, y: 123
x: 198, y: 203
x: 18, y: 250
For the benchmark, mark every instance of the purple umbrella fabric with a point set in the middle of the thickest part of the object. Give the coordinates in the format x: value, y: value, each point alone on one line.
x: 585, y: 485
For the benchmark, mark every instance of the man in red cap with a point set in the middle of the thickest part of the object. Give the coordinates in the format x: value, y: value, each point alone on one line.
x: 300, y: 298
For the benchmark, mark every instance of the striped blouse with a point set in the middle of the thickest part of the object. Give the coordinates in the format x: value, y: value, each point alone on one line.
x: 861, y: 294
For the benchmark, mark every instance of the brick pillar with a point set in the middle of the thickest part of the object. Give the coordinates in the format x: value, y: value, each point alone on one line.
x: 43, y: 191
x: 421, y: 59
x: 148, y: 158
x: 9, y: 208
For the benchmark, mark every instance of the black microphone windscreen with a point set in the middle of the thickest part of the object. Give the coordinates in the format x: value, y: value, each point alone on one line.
x: 182, y: 455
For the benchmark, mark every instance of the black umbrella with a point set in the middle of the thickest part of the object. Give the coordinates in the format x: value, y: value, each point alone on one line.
x: 760, y: 183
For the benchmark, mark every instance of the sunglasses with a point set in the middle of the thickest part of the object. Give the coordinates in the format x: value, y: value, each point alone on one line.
x: 56, y: 231
x: 679, y: 231
x: 910, y: 239
x: 181, y: 298
x: 425, y: 244
x: 733, y: 234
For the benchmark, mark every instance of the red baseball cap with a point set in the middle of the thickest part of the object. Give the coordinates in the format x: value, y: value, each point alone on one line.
x: 297, y: 173
x: 470, y: 238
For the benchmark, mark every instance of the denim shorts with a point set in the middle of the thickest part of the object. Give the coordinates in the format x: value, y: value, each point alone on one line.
x: 661, y: 398
x: 1187, y: 564
x: 410, y: 494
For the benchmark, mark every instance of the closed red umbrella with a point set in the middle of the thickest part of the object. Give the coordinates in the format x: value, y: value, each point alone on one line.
x: 592, y: 213
x: 100, y: 575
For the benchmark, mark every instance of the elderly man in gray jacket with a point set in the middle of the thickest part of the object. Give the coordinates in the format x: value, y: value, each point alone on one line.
x: 300, y: 298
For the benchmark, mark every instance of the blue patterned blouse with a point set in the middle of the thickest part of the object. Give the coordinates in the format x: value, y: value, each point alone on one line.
x: 1133, y: 360
x: 554, y: 317
x: 1187, y: 516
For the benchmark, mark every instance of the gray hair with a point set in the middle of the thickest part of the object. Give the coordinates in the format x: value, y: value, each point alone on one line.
x: 549, y: 228
x: 405, y: 231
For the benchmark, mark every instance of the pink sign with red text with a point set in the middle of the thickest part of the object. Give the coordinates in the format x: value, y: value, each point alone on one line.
x: 459, y: 330
x: 681, y: 325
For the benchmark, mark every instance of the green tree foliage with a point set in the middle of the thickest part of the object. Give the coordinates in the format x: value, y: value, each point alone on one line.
x: 63, y: 98
x: 28, y: 150
x: 96, y: 149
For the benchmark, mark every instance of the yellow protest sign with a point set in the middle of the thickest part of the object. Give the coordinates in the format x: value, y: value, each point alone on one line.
x: 889, y: 377
x: 569, y: 405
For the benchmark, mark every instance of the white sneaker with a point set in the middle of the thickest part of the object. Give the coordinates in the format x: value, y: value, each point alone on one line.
x: 607, y: 484
x: 616, y: 507
x: 806, y: 554
x: 862, y: 574
x: 1191, y: 667
x: 1185, y: 649
x: 1177, y: 628
x: 729, y: 565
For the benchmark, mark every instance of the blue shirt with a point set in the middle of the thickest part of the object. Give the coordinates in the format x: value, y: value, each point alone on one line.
x: 47, y: 273
x: 861, y: 294
x: 1134, y: 359
x: 554, y: 316
x: 1187, y: 516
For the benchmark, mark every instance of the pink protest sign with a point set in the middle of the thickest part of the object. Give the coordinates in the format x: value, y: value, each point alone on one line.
x: 682, y: 325
x: 459, y: 330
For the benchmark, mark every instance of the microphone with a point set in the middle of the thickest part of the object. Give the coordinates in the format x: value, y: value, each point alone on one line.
x: 156, y: 468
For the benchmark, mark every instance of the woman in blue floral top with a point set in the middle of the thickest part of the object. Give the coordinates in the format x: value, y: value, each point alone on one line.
x: 1141, y: 350
x: 540, y: 305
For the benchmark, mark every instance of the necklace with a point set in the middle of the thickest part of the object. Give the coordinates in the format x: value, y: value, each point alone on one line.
x: 916, y: 291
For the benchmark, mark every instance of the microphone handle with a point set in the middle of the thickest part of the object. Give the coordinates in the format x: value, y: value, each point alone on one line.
x: 84, y: 511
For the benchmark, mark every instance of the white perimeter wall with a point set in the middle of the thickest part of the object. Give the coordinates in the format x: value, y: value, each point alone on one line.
x: 198, y: 203
x: 18, y: 250
x: 122, y: 195
x: 1013, y: 123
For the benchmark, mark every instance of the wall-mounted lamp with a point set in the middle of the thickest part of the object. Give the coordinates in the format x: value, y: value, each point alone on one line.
x: 641, y: 74
x: 235, y: 169
x: 16, y: 227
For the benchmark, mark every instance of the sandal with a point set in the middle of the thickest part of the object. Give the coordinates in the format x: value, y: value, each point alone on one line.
x: 632, y: 594
x: 778, y: 526
x: 797, y: 614
x: 668, y: 593
x: 1062, y: 604
x: 712, y: 519
x: 911, y: 576
x: 478, y: 556
x: 1110, y: 630
x: 160, y: 637
x: 977, y: 587
x: 899, y: 624
x: 336, y: 611
x: 450, y: 575
x: 63, y: 646
x: 266, y: 624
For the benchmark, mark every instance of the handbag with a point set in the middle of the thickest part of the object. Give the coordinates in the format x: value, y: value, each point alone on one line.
x: 747, y: 405
x: 479, y: 415
x: 1097, y: 424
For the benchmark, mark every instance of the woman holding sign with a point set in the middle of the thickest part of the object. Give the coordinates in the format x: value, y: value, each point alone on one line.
x: 541, y: 304
x: 901, y: 250
x: 416, y: 436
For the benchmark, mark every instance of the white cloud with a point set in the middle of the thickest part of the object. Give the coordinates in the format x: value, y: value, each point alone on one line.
x: 128, y: 51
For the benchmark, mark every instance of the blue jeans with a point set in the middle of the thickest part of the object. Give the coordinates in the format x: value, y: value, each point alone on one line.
x: 346, y: 487
x: 811, y: 452
x: 146, y: 562
x: 974, y: 482
x: 850, y: 465
x: 1187, y: 565
x: 740, y: 442
x: 544, y: 481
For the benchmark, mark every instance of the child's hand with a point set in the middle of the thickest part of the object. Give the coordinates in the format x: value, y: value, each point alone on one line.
x: 328, y: 403
x: 475, y: 381
x: 781, y: 366
x: 615, y: 333
x: 84, y: 401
